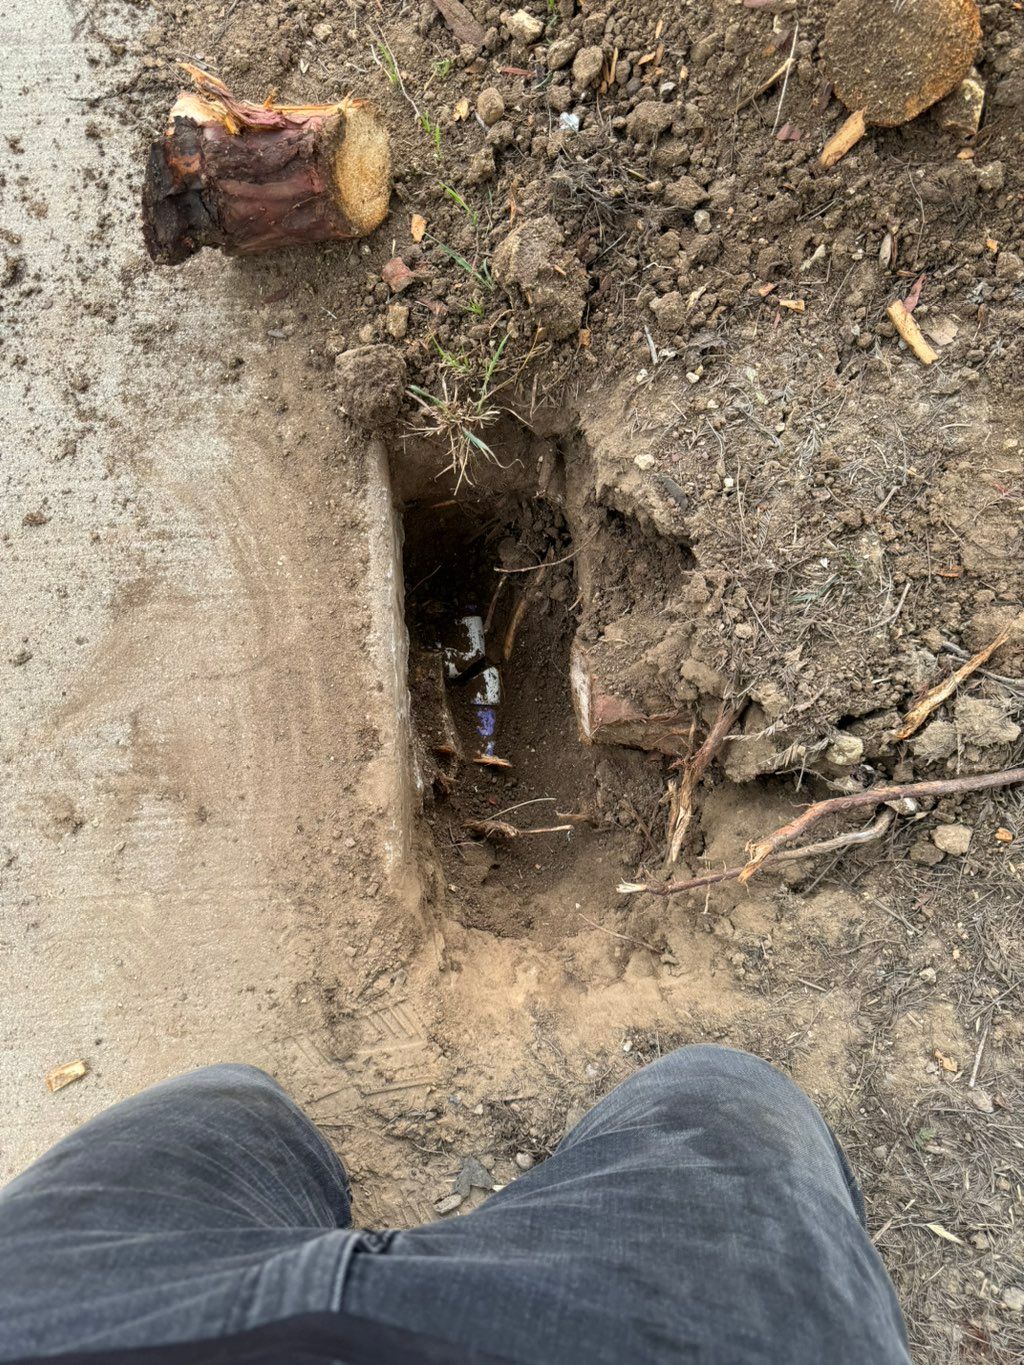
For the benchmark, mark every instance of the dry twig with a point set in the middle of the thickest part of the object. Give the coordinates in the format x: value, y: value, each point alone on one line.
x: 501, y: 829
x: 949, y: 786
x: 918, y: 714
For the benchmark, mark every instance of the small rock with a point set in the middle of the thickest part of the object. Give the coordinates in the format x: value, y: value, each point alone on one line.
x: 980, y: 1240
x: 371, y: 381
x: 981, y: 1101
x: 321, y: 32
x: 398, y: 320
x: 524, y: 28
x: 954, y: 839
x: 845, y: 750
x: 490, y: 106
x: 448, y: 1204
x: 1009, y: 267
x: 991, y: 177
x: 685, y: 193
x: 924, y: 851
x: 561, y: 52
x: 702, y: 221
x: 1013, y: 1298
x: 984, y: 723
x: 586, y: 67
x: 473, y: 1175
x: 648, y: 120
x: 524, y: 1161
x: 927, y: 975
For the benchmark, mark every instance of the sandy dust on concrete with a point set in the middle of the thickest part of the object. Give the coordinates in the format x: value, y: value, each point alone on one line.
x: 188, y: 717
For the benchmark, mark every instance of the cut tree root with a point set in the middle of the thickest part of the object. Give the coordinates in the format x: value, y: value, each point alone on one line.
x: 950, y: 786
x: 867, y: 835
x: 248, y: 177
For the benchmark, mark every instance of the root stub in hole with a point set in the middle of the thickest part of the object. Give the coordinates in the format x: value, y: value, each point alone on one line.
x: 512, y: 797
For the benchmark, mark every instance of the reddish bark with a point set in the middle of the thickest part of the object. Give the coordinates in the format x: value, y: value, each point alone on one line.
x: 248, y: 178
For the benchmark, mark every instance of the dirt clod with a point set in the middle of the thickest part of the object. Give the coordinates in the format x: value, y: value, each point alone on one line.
x: 533, y: 260
x: 490, y: 106
x: 371, y: 384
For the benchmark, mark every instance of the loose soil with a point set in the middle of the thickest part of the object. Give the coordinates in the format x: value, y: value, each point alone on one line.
x: 646, y: 345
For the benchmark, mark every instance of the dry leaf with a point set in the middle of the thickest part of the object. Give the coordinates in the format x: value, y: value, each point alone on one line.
x: 982, y: 1102
x: 992, y: 244
x: 914, y: 297
x: 461, y: 111
x: 65, y: 1074
x: 584, y: 336
x: 417, y: 227
x: 397, y: 275
x: 794, y: 305
x: 947, y: 1063
x: 940, y: 1231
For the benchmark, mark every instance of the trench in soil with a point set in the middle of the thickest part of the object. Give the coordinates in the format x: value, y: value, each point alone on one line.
x: 489, y: 686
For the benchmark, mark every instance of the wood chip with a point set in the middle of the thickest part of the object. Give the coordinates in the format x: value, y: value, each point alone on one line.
x: 417, y: 227
x: 1004, y: 835
x: 461, y: 111
x: 842, y: 141
x: 490, y: 761
x: 65, y: 1074
x: 794, y: 305
x: 918, y: 714
x: 911, y: 333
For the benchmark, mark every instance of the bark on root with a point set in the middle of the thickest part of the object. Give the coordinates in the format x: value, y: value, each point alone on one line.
x: 248, y: 177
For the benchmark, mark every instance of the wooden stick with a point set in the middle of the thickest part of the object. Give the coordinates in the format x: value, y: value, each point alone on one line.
x: 858, y: 836
x: 949, y: 786
x: 694, y: 769
x: 918, y: 714
x: 911, y: 333
x: 844, y: 139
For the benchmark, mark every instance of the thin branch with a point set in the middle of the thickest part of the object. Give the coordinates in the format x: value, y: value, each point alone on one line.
x: 785, y: 83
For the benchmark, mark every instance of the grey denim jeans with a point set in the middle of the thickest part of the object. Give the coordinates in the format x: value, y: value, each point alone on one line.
x: 701, y: 1212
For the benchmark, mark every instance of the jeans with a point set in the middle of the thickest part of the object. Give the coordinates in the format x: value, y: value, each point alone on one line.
x: 701, y: 1212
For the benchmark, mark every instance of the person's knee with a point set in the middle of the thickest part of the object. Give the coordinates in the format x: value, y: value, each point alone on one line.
x: 708, y: 1084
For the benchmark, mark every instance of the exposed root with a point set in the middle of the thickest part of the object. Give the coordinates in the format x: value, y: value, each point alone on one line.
x: 867, y: 835
x: 951, y: 786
